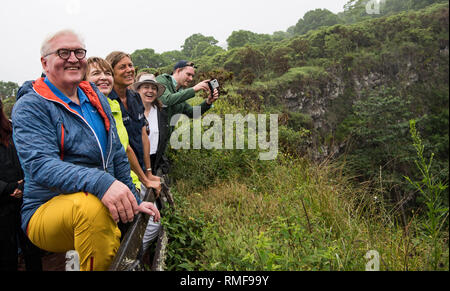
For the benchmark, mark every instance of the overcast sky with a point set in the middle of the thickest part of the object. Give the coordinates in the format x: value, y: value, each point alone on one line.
x: 128, y: 25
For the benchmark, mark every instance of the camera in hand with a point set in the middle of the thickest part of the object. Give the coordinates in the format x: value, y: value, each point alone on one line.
x: 213, y: 84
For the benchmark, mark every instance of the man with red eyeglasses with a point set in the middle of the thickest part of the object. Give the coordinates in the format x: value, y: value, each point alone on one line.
x: 78, y: 184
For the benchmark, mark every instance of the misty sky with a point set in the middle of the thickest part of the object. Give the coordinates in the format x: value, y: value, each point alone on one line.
x: 128, y: 25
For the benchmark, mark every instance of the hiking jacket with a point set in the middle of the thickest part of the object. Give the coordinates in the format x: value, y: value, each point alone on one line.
x: 134, y: 120
x: 10, y: 174
x: 58, y: 149
x: 175, y: 100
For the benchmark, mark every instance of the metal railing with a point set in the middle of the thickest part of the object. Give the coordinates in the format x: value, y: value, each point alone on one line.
x: 129, y: 257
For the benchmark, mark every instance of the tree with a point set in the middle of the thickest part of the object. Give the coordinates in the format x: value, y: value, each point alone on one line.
x: 8, y: 105
x: 190, y: 44
x: 246, y: 57
x: 147, y: 58
x: 280, y: 35
x: 212, y: 50
x: 300, y: 47
x: 280, y: 59
x: 380, y: 132
x: 315, y: 19
x: 242, y: 37
x: 204, y: 48
x: 171, y: 57
x: 355, y: 10
x: 395, y: 6
x: 8, y: 89
x: 336, y: 46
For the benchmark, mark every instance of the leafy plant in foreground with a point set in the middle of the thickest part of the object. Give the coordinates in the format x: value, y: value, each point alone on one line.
x: 432, y: 191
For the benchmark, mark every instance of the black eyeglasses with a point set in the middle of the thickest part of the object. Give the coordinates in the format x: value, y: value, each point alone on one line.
x: 66, y: 53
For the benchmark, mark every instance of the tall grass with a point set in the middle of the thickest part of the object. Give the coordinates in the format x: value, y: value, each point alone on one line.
x: 235, y: 212
x: 292, y: 215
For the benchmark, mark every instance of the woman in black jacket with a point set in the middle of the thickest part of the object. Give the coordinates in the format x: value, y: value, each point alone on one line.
x: 11, y: 187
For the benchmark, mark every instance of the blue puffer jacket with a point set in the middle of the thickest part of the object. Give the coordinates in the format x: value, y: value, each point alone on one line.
x: 60, y: 152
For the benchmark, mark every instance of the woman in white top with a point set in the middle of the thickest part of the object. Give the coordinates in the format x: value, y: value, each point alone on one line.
x: 150, y: 91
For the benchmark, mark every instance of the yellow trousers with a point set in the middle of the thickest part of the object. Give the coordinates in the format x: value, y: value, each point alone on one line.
x: 78, y: 222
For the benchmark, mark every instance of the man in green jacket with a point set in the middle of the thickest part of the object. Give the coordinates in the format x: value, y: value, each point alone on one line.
x: 177, y: 91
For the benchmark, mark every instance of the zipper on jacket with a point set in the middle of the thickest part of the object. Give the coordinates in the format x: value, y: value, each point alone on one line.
x: 110, y: 148
x: 84, y: 120
x: 98, y: 141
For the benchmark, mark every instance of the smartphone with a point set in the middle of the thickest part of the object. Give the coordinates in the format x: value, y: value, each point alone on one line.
x: 213, y: 84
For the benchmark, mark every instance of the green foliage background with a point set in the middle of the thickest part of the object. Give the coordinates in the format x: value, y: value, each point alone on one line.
x: 402, y: 56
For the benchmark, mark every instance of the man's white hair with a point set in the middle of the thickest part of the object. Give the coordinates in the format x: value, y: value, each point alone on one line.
x: 46, y: 45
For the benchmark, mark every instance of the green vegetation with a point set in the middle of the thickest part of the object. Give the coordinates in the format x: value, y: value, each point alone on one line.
x: 235, y: 212
x: 431, y: 190
x: 8, y: 91
x: 370, y: 75
x: 348, y: 178
x: 288, y: 214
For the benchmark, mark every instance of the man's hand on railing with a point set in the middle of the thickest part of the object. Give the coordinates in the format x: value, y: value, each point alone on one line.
x: 120, y: 202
